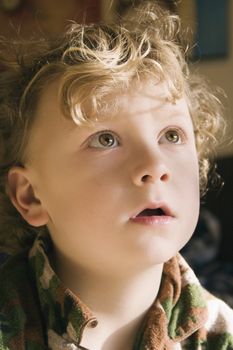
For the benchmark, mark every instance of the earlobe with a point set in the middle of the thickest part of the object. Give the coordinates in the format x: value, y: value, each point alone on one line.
x: 23, y: 198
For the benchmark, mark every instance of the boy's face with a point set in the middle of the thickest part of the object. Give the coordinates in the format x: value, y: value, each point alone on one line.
x: 94, y: 181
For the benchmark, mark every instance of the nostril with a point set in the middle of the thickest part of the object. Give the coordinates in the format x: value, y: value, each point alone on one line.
x: 164, y: 177
x: 145, y: 178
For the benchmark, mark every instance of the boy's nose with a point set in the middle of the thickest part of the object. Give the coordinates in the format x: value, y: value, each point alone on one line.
x: 150, y: 168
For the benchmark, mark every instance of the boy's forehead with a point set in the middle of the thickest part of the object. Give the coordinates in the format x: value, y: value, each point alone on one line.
x: 140, y: 98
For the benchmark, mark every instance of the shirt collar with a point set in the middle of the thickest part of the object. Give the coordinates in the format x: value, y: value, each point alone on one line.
x: 178, y: 311
x: 64, y: 314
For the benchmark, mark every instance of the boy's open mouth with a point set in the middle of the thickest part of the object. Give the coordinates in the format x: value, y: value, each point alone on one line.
x: 151, y: 212
x: 154, y: 215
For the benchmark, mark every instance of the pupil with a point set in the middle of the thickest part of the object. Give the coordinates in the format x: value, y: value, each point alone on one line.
x: 172, y: 136
x: 106, y: 140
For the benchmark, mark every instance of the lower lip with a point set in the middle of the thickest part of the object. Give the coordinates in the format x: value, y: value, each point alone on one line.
x: 153, y: 220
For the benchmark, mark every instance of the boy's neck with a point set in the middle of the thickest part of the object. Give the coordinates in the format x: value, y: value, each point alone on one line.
x: 118, y: 302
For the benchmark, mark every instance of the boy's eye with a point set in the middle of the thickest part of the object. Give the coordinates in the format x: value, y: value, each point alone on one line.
x: 104, y: 139
x: 174, y: 136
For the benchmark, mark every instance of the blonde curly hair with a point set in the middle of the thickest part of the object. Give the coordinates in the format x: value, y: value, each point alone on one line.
x: 92, y: 62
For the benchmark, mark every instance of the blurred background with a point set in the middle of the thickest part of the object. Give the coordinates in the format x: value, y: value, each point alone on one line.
x: 210, y: 32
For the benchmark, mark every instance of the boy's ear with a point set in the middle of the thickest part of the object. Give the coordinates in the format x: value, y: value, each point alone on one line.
x: 23, y: 197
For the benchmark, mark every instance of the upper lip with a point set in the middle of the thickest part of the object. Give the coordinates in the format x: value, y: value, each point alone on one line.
x: 157, y: 205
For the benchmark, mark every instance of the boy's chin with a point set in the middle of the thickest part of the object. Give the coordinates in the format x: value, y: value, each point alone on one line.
x: 162, y: 255
x: 151, y: 259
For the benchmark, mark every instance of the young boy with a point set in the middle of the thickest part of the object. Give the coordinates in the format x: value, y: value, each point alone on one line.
x: 104, y: 135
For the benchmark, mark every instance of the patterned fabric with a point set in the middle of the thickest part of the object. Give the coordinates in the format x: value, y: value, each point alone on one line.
x: 37, y: 312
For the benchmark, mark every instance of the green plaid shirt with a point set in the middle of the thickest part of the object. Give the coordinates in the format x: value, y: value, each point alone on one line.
x: 37, y: 312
